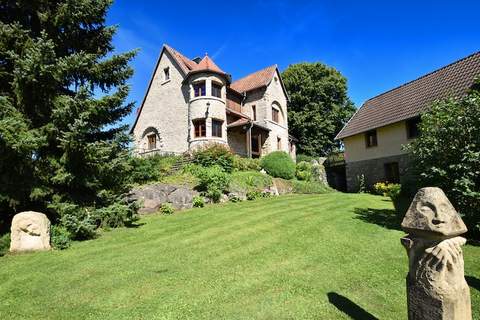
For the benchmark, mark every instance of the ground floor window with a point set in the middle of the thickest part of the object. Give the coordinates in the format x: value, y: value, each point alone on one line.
x: 392, y: 173
x: 255, y: 144
x: 217, y: 128
x: 200, y: 128
x: 152, y: 142
x: 279, y: 143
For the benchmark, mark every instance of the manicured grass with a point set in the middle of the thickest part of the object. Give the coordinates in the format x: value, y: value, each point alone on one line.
x: 292, y: 257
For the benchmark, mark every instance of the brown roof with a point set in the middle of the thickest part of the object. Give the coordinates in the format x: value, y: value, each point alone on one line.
x: 185, y: 64
x: 208, y: 65
x: 411, y: 99
x: 254, y: 80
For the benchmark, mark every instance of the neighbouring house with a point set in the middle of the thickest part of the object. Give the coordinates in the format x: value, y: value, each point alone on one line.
x: 192, y: 102
x: 375, y: 135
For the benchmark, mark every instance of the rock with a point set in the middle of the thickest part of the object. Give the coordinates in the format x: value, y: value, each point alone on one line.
x: 436, y: 286
x: 151, y: 197
x: 224, y: 198
x: 30, y: 231
x: 182, y: 198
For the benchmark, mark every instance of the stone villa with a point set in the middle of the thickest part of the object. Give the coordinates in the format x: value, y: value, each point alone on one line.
x: 374, y: 136
x: 192, y: 102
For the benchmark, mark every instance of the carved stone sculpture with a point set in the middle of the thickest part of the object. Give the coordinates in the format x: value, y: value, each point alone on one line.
x: 30, y: 231
x: 436, y: 286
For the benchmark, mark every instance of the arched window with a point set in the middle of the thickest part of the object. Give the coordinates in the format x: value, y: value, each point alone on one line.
x: 153, y: 138
x: 277, y: 113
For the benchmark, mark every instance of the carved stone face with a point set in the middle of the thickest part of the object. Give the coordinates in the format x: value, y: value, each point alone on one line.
x: 432, y: 212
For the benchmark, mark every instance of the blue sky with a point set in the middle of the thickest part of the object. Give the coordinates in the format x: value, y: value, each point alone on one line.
x: 376, y: 45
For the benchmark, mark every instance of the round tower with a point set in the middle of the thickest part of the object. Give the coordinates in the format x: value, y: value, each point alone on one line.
x: 207, y: 105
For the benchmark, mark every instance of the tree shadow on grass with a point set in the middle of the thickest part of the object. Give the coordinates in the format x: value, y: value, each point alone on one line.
x: 473, y: 282
x: 349, y: 307
x: 386, y: 218
x: 134, y: 225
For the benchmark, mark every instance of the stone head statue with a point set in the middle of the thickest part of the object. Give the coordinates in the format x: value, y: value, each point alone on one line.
x: 432, y: 215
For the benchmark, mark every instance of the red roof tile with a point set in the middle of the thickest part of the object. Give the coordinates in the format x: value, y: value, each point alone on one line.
x: 411, y: 99
x: 209, y: 65
x: 254, y: 80
x: 186, y: 64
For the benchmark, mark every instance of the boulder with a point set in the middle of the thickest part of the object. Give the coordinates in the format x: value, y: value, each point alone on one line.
x: 30, y: 231
x: 151, y: 197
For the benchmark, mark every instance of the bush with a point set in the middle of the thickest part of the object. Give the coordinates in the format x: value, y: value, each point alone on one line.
x: 309, y: 187
x: 4, y: 244
x: 214, y: 155
x: 79, y: 221
x: 213, y: 182
x: 447, y: 153
x: 304, y: 171
x: 198, y: 202
x: 387, y: 189
x: 279, y: 165
x: 60, y: 238
x: 304, y: 158
x: 151, y: 168
x: 233, y: 198
x: 246, y: 164
x: 119, y: 214
x: 167, y: 208
x: 254, y: 194
x: 244, y: 181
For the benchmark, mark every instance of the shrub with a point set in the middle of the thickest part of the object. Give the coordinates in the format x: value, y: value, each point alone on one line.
x: 213, y: 182
x: 309, y: 187
x: 279, y: 165
x: 447, y: 153
x: 254, y: 194
x: 60, y: 238
x: 119, y: 214
x: 246, y: 164
x: 151, y: 168
x: 79, y: 221
x: 198, y: 202
x: 4, y: 244
x: 214, y: 155
x: 304, y: 158
x: 304, y: 171
x: 362, y: 187
x: 167, y: 208
x: 234, y: 198
x: 245, y: 181
x: 387, y: 189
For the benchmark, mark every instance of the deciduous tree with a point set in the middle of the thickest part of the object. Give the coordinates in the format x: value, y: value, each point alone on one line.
x: 318, y: 108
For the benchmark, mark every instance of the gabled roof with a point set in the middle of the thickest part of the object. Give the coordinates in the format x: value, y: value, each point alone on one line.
x: 411, y: 99
x: 185, y: 64
x: 255, y: 80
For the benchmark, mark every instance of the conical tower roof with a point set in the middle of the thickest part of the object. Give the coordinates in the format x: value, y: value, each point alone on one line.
x: 207, y: 64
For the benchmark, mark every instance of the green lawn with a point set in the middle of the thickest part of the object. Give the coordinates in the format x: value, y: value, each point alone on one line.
x: 292, y: 257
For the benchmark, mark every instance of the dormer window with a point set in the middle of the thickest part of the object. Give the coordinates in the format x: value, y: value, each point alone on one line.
x: 199, y: 89
x: 166, y: 74
x: 216, y: 90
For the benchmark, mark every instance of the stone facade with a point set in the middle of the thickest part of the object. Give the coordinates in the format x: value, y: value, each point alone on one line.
x: 170, y: 108
x: 374, y: 170
x: 164, y: 112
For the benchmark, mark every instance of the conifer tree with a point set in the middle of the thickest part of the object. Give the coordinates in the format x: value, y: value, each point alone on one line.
x: 62, y: 95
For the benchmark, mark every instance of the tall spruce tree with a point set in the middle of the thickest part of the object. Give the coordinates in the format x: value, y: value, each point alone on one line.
x: 62, y: 94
